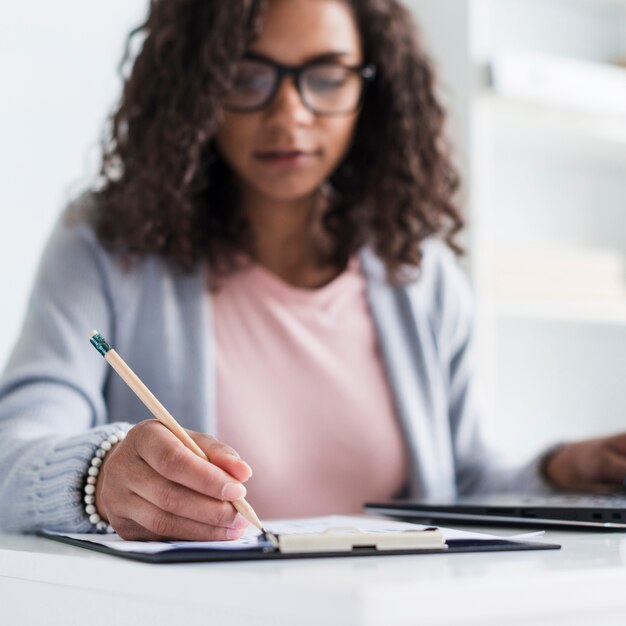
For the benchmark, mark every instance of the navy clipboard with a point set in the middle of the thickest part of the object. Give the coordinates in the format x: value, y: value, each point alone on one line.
x: 454, y: 546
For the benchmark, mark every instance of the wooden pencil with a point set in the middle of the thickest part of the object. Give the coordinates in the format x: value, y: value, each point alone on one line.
x: 160, y: 412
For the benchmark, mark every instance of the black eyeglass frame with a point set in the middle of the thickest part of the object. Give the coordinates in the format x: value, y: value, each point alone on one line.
x: 366, y: 72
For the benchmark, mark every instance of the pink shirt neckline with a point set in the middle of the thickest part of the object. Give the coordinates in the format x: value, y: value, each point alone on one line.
x: 302, y: 295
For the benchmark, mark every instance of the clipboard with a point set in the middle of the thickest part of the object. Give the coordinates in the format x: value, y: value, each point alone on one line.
x: 337, y: 543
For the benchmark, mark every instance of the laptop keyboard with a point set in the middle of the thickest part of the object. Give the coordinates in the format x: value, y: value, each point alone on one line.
x: 609, y: 501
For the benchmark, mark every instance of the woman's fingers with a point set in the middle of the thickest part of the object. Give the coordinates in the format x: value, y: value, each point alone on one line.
x: 593, y: 466
x: 223, y: 456
x: 617, y: 443
x: 179, y: 500
x: 130, y: 530
x: 144, y: 520
x: 165, y: 454
x: 610, y: 467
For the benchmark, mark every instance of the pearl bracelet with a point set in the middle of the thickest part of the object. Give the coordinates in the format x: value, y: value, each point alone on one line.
x: 92, y: 479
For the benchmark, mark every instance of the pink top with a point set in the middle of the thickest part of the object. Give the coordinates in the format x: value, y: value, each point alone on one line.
x: 302, y: 395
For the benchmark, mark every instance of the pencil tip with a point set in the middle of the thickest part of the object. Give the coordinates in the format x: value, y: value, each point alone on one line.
x: 267, y: 535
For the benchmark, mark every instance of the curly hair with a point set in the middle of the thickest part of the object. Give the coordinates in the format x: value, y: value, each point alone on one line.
x: 166, y: 191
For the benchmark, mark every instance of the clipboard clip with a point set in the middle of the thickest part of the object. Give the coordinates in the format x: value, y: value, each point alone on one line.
x: 352, y: 539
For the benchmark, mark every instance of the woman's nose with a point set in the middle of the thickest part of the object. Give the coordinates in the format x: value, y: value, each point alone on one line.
x: 288, y: 103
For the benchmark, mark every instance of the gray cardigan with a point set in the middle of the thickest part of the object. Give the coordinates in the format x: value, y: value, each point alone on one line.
x: 58, y: 397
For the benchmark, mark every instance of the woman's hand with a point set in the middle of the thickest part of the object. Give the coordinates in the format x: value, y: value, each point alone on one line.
x: 151, y: 487
x: 591, y: 466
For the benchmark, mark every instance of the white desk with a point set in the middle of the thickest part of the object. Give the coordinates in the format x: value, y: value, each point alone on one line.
x: 44, y: 583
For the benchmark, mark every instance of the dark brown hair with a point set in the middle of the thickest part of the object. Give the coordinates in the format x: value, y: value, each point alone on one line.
x: 166, y: 191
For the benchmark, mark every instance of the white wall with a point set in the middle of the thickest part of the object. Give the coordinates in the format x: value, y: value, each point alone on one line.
x: 447, y: 41
x: 58, y: 63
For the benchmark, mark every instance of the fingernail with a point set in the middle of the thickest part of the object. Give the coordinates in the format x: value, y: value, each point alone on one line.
x: 234, y: 533
x: 233, y: 453
x: 240, y: 522
x: 233, y: 491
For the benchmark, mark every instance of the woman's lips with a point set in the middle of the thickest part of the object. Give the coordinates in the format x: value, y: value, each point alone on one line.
x: 285, y: 157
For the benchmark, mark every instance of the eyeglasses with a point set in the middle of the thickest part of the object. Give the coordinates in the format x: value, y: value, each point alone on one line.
x: 326, y: 88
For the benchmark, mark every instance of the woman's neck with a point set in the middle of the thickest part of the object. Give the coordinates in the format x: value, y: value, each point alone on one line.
x: 287, y: 238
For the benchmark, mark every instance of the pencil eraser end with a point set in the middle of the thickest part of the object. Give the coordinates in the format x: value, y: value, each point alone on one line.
x: 99, y: 343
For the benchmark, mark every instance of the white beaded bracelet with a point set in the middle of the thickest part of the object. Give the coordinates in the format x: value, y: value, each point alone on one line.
x: 92, y: 479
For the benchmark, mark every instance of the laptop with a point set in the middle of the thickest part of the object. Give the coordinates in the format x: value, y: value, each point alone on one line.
x: 557, y: 511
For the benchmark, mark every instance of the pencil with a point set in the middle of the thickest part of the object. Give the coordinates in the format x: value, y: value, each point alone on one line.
x: 161, y: 413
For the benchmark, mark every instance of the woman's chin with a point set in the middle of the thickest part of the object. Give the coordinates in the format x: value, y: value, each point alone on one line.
x: 287, y: 193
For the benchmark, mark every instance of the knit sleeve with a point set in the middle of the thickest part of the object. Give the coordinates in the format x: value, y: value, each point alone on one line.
x: 52, y: 409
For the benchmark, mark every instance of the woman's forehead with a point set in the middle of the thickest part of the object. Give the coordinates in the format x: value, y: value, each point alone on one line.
x: 295, y: 31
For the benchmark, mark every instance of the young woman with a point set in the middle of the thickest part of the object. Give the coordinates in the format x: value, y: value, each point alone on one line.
x: 272, y: 250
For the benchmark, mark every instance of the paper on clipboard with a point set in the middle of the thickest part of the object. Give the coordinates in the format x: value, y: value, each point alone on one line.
x: 298, y: 528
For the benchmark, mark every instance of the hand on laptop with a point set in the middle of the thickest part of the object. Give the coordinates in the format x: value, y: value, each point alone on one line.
x: 590, y: 466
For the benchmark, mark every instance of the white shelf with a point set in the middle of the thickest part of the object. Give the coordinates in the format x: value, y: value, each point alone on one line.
x: 596, y: 3
x: 602, y: 136
x: 607, y: 313
x: 539, y: 176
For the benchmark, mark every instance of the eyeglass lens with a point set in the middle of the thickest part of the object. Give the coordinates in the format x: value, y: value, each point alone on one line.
x: 325, y: 88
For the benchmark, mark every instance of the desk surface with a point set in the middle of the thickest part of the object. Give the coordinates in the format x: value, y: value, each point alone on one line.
x: 45, y: 582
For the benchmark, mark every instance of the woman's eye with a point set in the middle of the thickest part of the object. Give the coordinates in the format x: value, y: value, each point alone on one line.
x: 252, y: 79
x: 327, y: 83
x: 247, y: 82
x: 328, y: 80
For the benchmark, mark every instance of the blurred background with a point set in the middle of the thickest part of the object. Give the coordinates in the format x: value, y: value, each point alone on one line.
x: 536, y: 91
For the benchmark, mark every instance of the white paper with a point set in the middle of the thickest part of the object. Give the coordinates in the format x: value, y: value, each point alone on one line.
x: 250, y: 539
x: 115, y: 542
